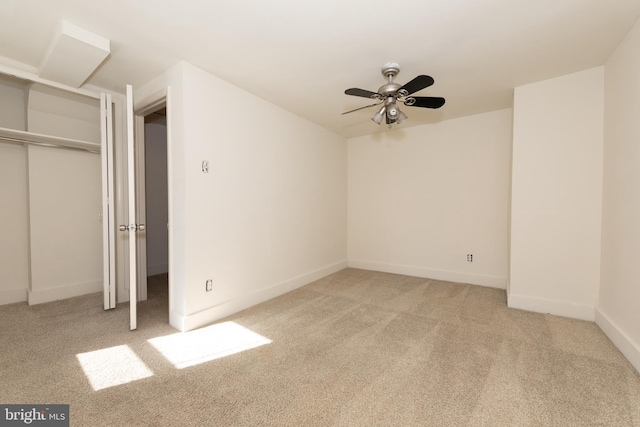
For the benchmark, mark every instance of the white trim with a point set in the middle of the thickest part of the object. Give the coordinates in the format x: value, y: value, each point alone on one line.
x: 450, y: 276
x: 152, y: 103
x: 210, y: 315
x: 620, y: 339
x: 170, y: 237
x: 12, y: 296
x: 54, y: 294
x: 547, y: 306
x: 176, y: 320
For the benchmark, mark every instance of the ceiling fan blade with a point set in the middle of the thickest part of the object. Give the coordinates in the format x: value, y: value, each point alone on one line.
x: 425, y: 102
x: 417, y: 84
x: 362, y: 108
x: 361, y: 92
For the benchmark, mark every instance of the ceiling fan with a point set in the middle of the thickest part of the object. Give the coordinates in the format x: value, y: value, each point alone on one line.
x: 390, y: 93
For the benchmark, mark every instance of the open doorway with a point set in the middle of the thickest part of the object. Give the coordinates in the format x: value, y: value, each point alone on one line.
x: 156, y: 205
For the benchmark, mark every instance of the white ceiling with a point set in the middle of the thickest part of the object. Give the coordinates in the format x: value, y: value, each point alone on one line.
x: 302, y: 55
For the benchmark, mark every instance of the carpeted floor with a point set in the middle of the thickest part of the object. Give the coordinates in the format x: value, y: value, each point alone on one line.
x: 357, y: 348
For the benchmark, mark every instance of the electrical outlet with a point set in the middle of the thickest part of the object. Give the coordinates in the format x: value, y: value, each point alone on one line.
x: 469, y: 257
x: 205, y: 166
x: 209, y: 285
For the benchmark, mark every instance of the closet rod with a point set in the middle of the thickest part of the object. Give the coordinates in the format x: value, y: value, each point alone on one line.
x: 42, y: 144
x: 21, y: 137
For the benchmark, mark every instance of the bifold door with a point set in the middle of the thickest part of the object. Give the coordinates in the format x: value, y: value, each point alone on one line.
x: 108, y: 212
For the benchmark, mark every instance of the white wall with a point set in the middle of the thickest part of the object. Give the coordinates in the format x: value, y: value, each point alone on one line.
x: 14, y: 226
x: 65, y: 226
x: 618, y: 311
x: 422, y: 198
x: 557, y: 194
x: 13, y: 110
x: 65, y: 199
x: 54, y: 112
x: 268, y: 217
x: 156, y: 197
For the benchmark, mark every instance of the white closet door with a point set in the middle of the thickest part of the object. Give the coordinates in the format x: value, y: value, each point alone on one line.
x: 108, y: 201
x: 132, y: 228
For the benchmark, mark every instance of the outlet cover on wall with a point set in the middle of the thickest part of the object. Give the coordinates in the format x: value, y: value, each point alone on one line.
x: 209, y: 285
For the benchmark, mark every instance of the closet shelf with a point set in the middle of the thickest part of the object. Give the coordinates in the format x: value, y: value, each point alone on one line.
x: 23, y: 137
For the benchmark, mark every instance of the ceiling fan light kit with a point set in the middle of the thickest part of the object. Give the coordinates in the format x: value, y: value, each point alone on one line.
x: 377, y: 118
x: 390, y: 93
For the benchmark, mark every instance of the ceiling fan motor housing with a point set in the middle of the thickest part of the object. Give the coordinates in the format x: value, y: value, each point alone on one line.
x: 389, y: 89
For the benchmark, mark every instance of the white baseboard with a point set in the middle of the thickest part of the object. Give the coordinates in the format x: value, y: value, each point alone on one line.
x: 176, y: 320
x: 54, y: 294
x: 450, y: 276
x: 152, y: 270
x: 620, y: 339
x: 12, y: 296
x: 210, y: 315
x: 559, y: 308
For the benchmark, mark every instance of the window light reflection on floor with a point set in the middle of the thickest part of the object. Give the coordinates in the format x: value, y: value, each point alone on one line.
x: 209, y: 343
x: 112, y: 366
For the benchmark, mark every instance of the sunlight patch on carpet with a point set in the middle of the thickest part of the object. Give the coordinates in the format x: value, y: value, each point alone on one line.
x: 112, y: 366
x: 186, y: 349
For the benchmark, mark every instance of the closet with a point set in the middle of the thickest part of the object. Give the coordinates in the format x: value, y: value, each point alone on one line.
x: 50, y: 193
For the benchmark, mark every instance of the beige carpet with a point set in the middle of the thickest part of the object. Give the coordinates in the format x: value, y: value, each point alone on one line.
x: 356, y: 348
